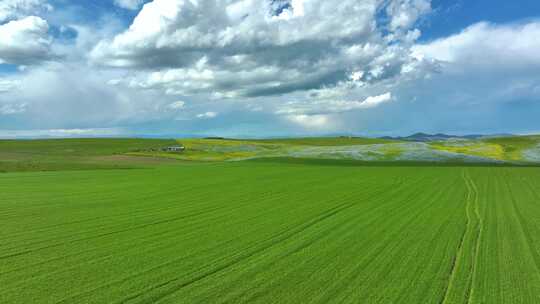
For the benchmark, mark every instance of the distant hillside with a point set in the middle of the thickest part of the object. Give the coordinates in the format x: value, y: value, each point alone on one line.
x: 425, y: 137
x: 326, y: 141
x: 79, y: 154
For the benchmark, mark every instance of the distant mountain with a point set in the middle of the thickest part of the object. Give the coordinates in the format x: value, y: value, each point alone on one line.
x: 424, y: 137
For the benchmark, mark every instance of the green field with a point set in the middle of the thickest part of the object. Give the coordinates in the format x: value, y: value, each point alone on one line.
x: 84, y: 154
x: 74, y: 154
x: 263, y: 231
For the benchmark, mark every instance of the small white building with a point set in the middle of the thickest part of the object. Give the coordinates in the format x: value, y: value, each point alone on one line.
x: 174, y: 149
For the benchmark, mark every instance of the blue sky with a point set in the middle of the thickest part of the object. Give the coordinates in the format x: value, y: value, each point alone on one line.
x: 451, y: 16
x: 251, y: 68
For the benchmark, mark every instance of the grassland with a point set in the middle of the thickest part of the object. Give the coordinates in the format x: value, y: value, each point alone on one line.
x: 233, y: 149
x: 79, y: 154
x: 75, y: 229
x: 512, y: 148
x: 74, y: 154
x: 271, y: 231
x: 517, y: 149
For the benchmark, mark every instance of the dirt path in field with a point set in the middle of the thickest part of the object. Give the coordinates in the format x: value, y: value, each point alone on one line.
x: 479, y: 230
x: 471, y: 233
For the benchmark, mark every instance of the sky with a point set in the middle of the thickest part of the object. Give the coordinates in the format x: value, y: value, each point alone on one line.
x: 267, y: 68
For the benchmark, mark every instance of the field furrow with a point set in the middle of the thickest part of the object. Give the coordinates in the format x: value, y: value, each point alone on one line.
x: 272, y: 232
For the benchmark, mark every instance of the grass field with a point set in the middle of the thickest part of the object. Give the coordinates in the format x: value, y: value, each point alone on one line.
x: 271, y: 231
x: 74, y: 154
x: 84, y: 154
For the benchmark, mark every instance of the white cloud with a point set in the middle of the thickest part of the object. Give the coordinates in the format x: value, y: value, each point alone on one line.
x: 207, y: 115
x: 310, y: 121
x: 61, y: 133
x: 295, y: 9
x: 129, y: 4
x: 232, y: 49
x: 176, y: 105
x: 225, y: 83
x: 10, y: 109
x: 8, y: 85
x: 186, y: 26
x: 326, y: 106
x: 488, y: 45
x: 356, y: 76
x: 485, y: 74
x: 332, y: 59
x: 15, y: 9
x: 25, y: 41
x: 405, y: 13
x: 374, y: 101
x: 73, y: 95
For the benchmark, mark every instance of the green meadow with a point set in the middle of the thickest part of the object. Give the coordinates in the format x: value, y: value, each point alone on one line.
x: 253, y: 221
x: 73, y: 154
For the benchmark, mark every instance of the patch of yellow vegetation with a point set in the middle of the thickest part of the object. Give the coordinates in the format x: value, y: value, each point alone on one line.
x: 198, y: 155
x: 392, y: 151
x: 488, y: 150
x: 205, y: 144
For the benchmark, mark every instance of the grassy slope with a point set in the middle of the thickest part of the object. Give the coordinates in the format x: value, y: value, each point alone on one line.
x: 234, y: 149
x: 267, y: 232
x: 501, y: 148
x: 513, y: 147
x: 70, y: 154
x: 482, y: 149
x: 496, y: 149
x: 81, y: 147
x: 77, y: 154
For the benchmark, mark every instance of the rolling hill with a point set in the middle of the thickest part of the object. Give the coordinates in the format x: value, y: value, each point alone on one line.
x: 79, y: 154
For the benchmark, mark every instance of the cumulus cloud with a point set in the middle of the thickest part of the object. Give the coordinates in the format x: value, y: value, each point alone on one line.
x: 486, y: 74
x: 15, y: 9
x: 403, y: 14
x: 314, y: 66
x: 165, y: 28
x: 487, y: 63
x: 25, y: 41
x: 247, y: 48
x: 225, y: 56
x: 333, y: 106
x: 129, y: 4
x: 488, y: 45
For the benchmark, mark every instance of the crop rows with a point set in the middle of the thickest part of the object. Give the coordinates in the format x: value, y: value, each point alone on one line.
x: 269, y: 232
